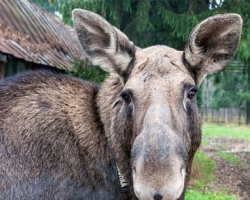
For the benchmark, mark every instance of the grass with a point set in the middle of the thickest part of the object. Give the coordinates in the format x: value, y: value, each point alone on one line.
x: 208, y: 195
x: 204, y: 141
x: 235, y: 131
x: 203, y: 166
x: 202, y: 180
x: 231, y: 158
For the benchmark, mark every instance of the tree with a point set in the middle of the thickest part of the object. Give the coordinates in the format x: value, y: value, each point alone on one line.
x: 45, y: 4
x: 169, y: 22
x: 84, y: 70
x: 146, y: 22
x: 232, y: 90
x: 242, y: 7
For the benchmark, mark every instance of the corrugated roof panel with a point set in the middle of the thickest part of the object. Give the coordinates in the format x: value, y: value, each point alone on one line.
x: 29, y: 33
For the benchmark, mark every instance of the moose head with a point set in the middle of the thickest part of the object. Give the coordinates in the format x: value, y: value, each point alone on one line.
x: 148, y: 104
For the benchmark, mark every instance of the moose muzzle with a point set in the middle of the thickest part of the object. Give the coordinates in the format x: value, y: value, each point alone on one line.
x: 159, y: 158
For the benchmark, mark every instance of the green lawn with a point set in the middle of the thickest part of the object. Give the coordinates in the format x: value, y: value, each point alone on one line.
x: 231, y: 158
x: 208, y: 195
x: 202, y: 187
x: 203, y: 165
x: 242, y: 132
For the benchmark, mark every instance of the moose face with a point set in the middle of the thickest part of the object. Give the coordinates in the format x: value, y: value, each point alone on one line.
x: 166, y: 112
x: 148, y: 104
x: 158, y: 103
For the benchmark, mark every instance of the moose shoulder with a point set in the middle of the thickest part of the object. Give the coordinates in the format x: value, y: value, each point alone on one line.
x: 65, y: 138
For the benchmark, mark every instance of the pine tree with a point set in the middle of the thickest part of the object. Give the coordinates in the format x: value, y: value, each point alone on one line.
x: 169, y: 22
x: 242, y: 7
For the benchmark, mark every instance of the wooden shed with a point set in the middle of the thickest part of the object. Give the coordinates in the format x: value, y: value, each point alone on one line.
x: 31, y: 38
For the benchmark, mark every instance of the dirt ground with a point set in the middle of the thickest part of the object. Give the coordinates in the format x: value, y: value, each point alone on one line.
x: 236, y: 179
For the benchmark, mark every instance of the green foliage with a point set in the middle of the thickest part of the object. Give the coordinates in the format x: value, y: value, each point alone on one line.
x: 243, y: 53
x: 167, y: 22
x: 84, y: 70
x: 232, y: 90
x: 146, y: 22
x: 231, y: 158
x: 241, y: 8
x: 45, y: 5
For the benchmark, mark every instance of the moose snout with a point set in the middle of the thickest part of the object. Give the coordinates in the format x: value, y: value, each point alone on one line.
x: 159, y: 165
x: 151, y: 190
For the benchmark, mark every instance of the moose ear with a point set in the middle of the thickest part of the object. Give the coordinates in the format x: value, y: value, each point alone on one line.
x: 212, y: 44
x: 103, y: 44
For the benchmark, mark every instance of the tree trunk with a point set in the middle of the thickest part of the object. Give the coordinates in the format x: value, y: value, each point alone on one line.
x: 248, y: 102
x: 248, y: 113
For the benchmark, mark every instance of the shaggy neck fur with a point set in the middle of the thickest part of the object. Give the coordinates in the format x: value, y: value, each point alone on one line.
x: 109, y: 93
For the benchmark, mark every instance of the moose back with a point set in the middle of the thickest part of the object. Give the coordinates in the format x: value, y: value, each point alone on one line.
x: 132, y: 138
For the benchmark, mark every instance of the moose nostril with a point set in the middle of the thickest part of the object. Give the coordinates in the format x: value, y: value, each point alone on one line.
x: 158, y: 196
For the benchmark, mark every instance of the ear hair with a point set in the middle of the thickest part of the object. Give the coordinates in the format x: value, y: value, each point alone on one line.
x: 212, y: 44
x: 103, y: 44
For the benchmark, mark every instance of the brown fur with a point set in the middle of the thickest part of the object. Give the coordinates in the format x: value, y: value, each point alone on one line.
x: 47, y: 145
x: 63, y: 138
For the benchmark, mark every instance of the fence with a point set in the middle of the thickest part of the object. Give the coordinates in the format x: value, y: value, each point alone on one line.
x: 223, y: 115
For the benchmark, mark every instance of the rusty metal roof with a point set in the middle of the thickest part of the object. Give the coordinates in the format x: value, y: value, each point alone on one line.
x: 28, y: 32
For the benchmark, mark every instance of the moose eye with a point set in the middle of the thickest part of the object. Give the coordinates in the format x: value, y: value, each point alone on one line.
x: 126, y: 97
x: 191, y: 94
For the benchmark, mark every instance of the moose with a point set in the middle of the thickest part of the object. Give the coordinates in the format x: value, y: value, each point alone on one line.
x: 133, y: 137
